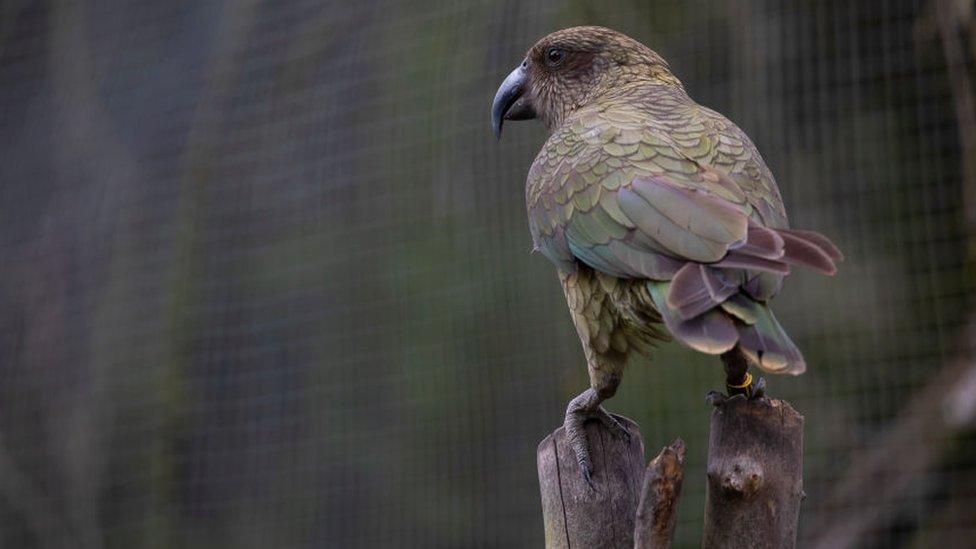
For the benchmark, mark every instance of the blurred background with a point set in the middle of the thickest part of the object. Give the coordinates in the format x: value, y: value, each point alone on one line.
x: 265, y: 276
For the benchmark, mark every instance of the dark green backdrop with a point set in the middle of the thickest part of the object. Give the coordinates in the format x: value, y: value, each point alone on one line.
x: 265, y: 276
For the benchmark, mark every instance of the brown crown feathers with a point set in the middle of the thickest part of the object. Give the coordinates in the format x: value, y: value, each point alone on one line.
x: 571, y: 68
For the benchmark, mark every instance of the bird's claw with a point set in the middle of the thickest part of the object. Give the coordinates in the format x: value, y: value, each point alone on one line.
x: 755, y: 390
x: 584, y: 407
x: 758, y: 388
x: 586, y: 471
x: 582, y: 452
x: 576, y: 436
x: 715, y: 398
x: 611, y: 423
x: 580, y: 409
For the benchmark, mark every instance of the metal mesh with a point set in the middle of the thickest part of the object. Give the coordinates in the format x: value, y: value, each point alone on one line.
x: 266, y: 278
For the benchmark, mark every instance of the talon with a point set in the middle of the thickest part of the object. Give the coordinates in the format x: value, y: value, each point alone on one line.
x: 612, y: 425
x: 738, y: 380
x: 751, y: 389
x: 583, y: 407
x: 624, y: 434
x: 715, y: 398
x: 758, y: 389
x: 586, y: 471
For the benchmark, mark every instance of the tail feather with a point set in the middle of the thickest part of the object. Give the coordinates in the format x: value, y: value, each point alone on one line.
x: 763, y: 286
x: 712, y: 332
x: 762, y: 250
x: 763, y: 339
x: 800, y: 250
x: 697, y: 288
x: 774, y: 250
x: 736, y: 320
x: 762, y: 242
x: 714, y: 307
x: 718, y: 284
x: 739, y: 260
x: 818, y: 239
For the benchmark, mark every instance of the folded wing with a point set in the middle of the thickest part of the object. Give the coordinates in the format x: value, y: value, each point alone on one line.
x: 708, y: 256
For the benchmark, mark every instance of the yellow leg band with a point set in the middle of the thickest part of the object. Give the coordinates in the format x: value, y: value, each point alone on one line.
x: 746, y: 383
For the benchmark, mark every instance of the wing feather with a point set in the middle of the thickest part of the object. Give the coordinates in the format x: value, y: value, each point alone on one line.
x: 631, y: 197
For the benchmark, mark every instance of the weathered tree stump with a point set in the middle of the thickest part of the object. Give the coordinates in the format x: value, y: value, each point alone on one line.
x: 657, y: 512
x: 578, y: 515
x: 755, y: 468
x: 755, y: 484
x: 625, y: 502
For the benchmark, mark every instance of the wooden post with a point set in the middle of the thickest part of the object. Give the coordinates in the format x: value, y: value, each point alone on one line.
x: 657, y: 512
x: 755, y: 483
x: 578, y: 515
x: 624, y: 493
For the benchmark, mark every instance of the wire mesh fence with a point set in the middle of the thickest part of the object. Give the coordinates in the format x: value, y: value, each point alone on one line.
x: 266, y: 278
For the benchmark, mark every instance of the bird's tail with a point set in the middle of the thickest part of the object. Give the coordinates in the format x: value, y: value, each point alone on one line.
x: 737, y: 320
x: 712, y: 308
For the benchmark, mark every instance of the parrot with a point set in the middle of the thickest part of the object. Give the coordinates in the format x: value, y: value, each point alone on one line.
x: 659, y: 214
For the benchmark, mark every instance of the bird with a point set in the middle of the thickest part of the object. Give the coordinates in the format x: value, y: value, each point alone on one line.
x: 661, y: 218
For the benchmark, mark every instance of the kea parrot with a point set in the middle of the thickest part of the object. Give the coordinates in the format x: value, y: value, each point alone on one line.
x: 659, y: 214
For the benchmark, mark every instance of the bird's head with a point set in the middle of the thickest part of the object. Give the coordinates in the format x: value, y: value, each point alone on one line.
x: 573, y: 68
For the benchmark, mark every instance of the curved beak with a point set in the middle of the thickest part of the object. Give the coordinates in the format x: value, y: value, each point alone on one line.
x: 511, y: 101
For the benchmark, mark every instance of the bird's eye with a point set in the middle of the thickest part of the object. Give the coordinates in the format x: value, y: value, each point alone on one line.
x: 555, y: 56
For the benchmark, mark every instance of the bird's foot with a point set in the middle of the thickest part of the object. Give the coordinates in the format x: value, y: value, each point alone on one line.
x: 751, y: 388
x: 611, y: 423
x: 585, y: 407
x: 576, y: 435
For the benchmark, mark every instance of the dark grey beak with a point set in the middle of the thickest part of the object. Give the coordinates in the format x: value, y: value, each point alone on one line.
x: 511, y: 101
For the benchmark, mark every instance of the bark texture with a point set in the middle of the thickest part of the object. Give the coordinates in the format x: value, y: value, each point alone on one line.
x: 628, y: 505
x: 598, y: 516
x: 755, y: 483
x: 657, y: 512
